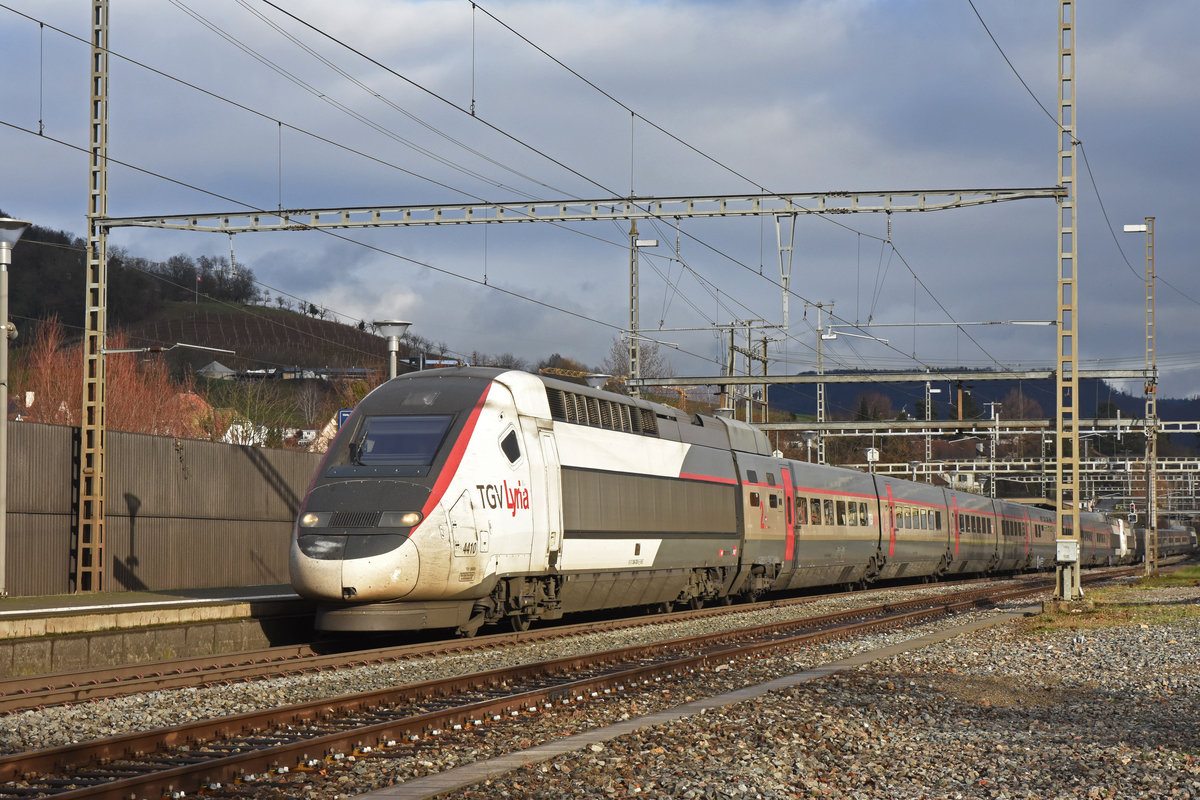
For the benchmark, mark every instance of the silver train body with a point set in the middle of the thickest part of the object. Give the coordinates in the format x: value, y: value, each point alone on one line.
x: 459, y: 497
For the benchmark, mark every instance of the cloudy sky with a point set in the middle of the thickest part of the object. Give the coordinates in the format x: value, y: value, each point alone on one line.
x: 230, y: 105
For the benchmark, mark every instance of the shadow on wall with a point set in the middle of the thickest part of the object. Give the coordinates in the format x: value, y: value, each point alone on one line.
x: 125, y: 573
x: 271, y: 475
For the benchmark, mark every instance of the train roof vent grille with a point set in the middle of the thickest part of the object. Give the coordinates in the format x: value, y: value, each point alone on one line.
x: 355, y: 519
x: 600, y: 412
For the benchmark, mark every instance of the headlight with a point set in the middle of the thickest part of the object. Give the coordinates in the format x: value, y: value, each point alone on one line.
x: 315, y: 519
x: 399, y: 519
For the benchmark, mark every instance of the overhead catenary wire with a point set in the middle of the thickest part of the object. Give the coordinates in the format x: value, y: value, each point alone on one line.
x: 723, y: 255
x: 521, y: 142
x: 1086, y: 162
x: 280, y: 124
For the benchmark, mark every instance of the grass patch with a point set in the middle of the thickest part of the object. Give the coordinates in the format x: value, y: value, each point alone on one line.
x: 1134, y: 604
x: 1185, y: 576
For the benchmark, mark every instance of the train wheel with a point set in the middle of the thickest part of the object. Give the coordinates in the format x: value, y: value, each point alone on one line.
x: 520, y: 622
x: 695, y: 603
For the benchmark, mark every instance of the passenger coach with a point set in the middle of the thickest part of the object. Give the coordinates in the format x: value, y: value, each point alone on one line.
x: 453, y: 498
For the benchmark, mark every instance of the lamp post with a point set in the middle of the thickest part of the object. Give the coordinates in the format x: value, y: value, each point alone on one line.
x: 393, y: 329
x: 1151, y: 403
x: 10, y: 233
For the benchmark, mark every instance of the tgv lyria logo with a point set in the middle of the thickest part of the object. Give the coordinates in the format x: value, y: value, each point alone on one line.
x: 501, y: 495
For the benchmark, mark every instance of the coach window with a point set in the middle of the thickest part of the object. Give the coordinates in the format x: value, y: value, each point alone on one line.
x: 862, y: 513
x: 754, y: 501
x: 801, y: 510
x: 751, y: 476
x: 828, y: 505
x: 773, y: 500
x: 511, y: 447
x: 937, y: 520
x: 815, y: 517
x: 770, y: 479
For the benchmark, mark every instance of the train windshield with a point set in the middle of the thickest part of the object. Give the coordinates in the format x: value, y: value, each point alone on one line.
x: 402, y: 441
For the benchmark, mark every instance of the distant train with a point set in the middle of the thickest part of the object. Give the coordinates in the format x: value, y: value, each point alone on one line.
x: 456, y: 498
x: 1173, y: 541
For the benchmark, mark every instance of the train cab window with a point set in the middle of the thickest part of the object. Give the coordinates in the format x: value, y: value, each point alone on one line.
x: 511, y: 447
x: 407, y: 440
x: 828, y: 505
x: 754, y: 500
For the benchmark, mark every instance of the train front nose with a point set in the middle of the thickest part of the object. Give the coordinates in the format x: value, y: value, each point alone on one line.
x: 343, y: 553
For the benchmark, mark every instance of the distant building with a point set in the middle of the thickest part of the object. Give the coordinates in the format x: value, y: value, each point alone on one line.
x: 215, y: 370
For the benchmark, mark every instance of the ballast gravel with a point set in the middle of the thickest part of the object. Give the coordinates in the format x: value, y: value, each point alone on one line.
x: 1104, y: 713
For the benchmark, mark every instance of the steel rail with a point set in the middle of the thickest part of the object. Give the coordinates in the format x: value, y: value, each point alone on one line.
x: 42, y: 691
x: 108, y: 754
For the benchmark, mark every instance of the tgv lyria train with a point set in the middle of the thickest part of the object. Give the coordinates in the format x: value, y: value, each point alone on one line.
x: 458, y: 497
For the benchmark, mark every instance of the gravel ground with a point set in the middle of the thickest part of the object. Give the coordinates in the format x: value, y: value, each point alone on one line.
x: 1108, y: 713
x: 61, y: 725
x: 1105, y: 713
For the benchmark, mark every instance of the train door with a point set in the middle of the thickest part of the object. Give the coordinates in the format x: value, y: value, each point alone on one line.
x: 471, y: 543
x: 547, y: 543
x: 789, y: 547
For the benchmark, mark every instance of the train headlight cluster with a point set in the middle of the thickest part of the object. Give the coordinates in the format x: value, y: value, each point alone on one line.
x: 315, y: 519
x: 400, y: 519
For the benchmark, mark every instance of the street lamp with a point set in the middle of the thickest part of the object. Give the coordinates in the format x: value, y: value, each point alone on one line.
x: 1151, y: 403
x: 393, y: 329
x: 10, y: 233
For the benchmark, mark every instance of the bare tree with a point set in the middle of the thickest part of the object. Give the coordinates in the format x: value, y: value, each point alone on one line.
x: 308, y: 401
x: 653, y: 363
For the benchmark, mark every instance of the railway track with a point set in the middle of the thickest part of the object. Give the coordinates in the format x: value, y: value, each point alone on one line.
x: 43, y: 691
x: 227, y: 751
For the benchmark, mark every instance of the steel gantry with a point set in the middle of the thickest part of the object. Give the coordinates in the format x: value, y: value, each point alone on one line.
x: 784, y: 206
x: 1068, y: 584
x: 621, y: 208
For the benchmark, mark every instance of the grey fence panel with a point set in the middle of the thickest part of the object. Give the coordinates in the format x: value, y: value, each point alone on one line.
x: 180, y: 513
x: 155, y: 554
x: 39, y: 554
x: 40, y: 471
